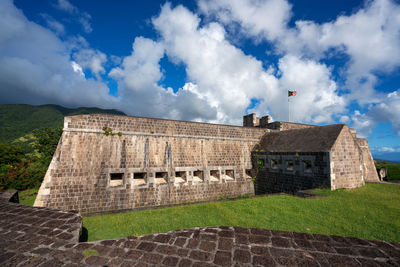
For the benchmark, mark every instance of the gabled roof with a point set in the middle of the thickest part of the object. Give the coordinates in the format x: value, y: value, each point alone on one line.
x: 315, y: 139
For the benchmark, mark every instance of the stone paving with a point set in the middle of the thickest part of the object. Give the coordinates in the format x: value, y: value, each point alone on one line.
x: 32, y: 236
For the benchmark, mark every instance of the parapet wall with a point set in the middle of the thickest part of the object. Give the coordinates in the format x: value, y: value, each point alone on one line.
x: 152, y: 162
x: 137, y: 125
x: 285, y: 126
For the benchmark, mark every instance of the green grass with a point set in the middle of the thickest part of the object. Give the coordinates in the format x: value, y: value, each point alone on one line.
x: 393, y: 171
x: 90, y: 252
x: 372, y: 212
x: 27, y: 197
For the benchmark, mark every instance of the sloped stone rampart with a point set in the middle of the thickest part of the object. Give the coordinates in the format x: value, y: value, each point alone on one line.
x: 346, y: 162
x: 175, y: 158
x: 370, y: 172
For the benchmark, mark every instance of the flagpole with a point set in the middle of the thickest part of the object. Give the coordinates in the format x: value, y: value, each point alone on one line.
x: 288, y: 100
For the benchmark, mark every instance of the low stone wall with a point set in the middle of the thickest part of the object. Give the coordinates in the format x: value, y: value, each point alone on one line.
x: 97, y: 199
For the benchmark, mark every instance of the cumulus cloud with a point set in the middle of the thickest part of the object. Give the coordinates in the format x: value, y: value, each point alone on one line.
x: 262, y: 19
x: 91, y: 59
x: 317, y: 97
x: 35, y: 66
x: 387, y: 110
x: 228, y: 79
x: 222, y: 81
x: 372, y: 28
x: 369, y: 37
x: 138, y: 78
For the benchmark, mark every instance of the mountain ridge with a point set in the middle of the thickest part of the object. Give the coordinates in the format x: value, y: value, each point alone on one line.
x: 17, y: 120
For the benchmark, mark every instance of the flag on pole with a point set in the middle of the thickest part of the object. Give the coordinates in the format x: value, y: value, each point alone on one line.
x: 292, y: 93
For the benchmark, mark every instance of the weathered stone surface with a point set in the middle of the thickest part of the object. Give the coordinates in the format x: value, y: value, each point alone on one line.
x: 149, y: 162
x: 177, y: 161
x: 208, y: 246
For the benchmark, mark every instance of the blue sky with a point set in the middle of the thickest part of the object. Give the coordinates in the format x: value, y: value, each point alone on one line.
x: 211, y: 61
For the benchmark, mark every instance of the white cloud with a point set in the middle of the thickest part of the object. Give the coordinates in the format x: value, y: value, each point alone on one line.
x: 77, y: 68
x: 370, y: 36
x: 344, y: 119
x: 317, y: 97
x: 91, y: 59
x: 82, y: 17
x: 387, y: 110
x: 222, y: 80
x: 53, y: 24
x: 228, y: 79
x: 363, y: 123
x: 84, y: 20
x: 262, y: 19
x: 388, y: 149
x: 65, y: 5
x: 35, y: 66
x: 138, y: 79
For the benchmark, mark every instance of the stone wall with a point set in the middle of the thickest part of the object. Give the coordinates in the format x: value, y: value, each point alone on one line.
x: 284, y: 126
x: 346, y: 165
x: 151, y: 162
x: 370, y: 173
x: 291, y: 172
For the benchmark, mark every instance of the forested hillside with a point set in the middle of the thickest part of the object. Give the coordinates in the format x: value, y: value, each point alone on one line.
x: 28, y: 139
x: 19, y: 120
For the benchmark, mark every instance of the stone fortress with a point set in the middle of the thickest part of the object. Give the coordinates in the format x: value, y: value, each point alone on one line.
x: 108, y: 163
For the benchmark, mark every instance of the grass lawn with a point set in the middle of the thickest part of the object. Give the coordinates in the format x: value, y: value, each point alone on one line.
x: 393, y: 171
x: 27, y: 197
x: 372, y: 212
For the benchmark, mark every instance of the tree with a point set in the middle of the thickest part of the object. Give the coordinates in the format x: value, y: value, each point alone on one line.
x: 46, y: 142
x: 21, y: 170
x: 10, y: 154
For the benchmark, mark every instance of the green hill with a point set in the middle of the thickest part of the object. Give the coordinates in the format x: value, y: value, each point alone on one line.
x: 19, y: 120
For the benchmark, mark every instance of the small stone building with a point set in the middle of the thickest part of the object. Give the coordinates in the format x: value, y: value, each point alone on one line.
x: 107, y: 162
x: 322, y: 156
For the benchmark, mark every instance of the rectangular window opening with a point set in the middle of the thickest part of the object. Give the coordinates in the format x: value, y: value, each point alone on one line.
x: 198, y: 177
x: 180, y: 177
x: 307, y: 164
x: 274, y: 164
x: 161, y: 177
x: 116, y: 179
x: 139, y: 178
x: 249, y: 173
x: 289, y: 165
x: 230, y: 174
x: 214, y: 175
